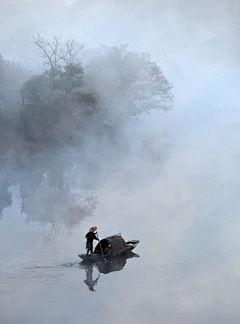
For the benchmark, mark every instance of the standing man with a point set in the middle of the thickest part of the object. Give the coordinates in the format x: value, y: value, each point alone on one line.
x: 90, y: 236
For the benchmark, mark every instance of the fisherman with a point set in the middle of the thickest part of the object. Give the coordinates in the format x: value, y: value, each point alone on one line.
x: 90, y: 236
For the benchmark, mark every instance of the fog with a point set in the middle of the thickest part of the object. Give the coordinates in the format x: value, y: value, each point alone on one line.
x: 168, y: 177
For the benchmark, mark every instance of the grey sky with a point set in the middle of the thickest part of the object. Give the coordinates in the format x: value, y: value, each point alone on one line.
x: 180, y: 30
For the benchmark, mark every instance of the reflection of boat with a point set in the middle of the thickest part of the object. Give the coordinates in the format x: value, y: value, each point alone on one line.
x: 109, y: 248
x: 117, y: 263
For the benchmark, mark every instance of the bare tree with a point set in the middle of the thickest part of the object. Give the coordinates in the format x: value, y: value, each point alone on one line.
x: 56, y: 54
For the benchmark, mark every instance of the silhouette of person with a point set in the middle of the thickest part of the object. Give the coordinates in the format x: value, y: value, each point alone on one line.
x: 90, y: 236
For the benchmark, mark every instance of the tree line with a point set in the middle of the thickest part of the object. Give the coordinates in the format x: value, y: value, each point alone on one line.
x: 70, y: 102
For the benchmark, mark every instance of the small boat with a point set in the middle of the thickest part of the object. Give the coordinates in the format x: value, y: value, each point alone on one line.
x: 109, y: 248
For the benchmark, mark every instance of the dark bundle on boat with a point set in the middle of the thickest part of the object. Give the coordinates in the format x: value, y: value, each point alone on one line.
x: 110, y: 247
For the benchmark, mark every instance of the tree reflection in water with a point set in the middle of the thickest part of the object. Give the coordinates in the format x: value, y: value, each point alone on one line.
x: 50, y: 193
x: 105, y: 267
x: 5, y: 198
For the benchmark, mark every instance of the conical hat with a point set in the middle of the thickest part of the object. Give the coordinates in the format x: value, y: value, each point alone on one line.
x: 93, y: 229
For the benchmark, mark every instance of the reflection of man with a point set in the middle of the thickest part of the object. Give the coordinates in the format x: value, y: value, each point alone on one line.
x: 89, y: 279
x: 90, y: 236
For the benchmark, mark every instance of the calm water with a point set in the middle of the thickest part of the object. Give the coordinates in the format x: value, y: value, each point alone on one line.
x: 187, y: 272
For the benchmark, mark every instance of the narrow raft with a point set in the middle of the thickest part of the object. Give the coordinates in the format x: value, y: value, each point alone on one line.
x: 109, y: 248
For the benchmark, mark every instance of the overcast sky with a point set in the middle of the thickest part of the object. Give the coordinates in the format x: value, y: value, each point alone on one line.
x: 180, y: 30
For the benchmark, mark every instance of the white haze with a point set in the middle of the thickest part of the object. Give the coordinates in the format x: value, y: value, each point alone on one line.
x: 193, y: 201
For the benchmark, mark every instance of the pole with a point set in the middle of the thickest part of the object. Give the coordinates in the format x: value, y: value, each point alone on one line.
x: 101, y: 247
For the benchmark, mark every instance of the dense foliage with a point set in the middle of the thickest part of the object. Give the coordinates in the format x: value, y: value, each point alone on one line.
x: 127, y: 83
x: 68, y: 102
x: 62, y: 128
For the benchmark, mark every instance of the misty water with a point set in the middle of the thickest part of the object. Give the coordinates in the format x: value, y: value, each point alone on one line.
x: 185, y: 216
x: 168, y: 179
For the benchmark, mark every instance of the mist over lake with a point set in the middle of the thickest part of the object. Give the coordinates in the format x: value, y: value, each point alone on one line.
x: 124, y: 116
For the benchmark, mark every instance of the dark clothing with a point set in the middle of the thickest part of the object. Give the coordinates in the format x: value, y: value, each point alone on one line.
x: 90, y: 236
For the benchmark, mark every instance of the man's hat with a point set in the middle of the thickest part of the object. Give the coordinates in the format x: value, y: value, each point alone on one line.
x: 93, y: 229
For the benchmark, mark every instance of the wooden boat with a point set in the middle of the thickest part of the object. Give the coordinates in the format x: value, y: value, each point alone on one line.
x: 109, y: 248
